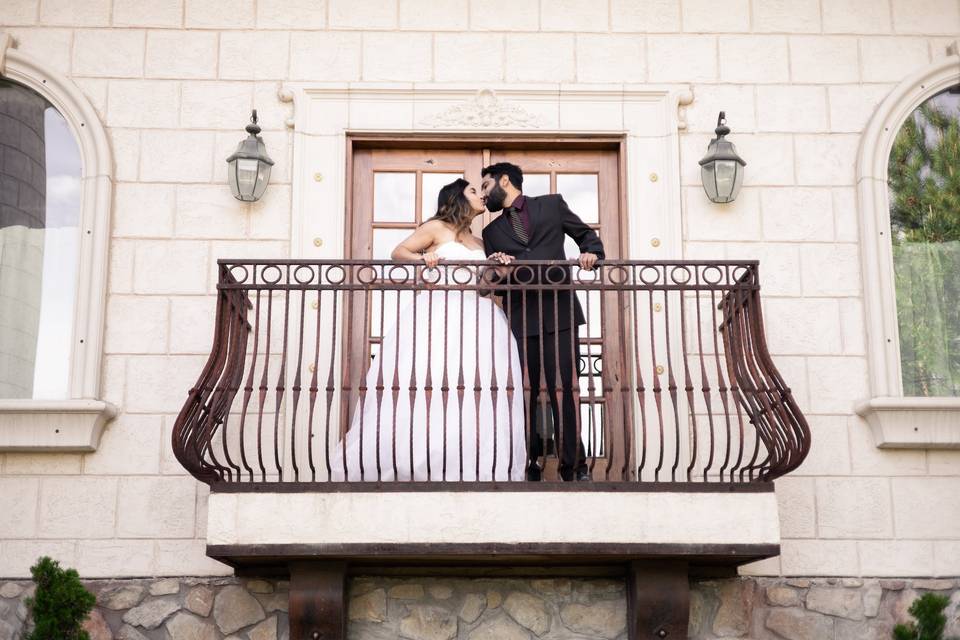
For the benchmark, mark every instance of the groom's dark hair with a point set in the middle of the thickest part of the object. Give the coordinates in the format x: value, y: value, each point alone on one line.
x: 512, y: 171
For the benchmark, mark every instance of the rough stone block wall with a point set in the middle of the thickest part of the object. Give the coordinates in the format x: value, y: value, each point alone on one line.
x: 493, y: 609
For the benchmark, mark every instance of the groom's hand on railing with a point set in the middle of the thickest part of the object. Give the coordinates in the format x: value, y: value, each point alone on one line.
x: 587, y: 261
x: 504, y: 259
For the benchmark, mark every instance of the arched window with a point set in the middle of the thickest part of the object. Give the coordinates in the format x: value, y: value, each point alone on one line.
x: 56, y: 184
x: 908, y: 198
x: 924, y: 179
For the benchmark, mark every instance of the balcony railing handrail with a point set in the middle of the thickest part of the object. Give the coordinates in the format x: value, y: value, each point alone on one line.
x: 748, y: 385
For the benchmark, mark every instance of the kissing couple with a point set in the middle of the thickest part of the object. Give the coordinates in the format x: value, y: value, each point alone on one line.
x: 453, y: 354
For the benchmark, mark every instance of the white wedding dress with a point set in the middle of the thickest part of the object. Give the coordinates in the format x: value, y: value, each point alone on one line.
x: 451, y: 439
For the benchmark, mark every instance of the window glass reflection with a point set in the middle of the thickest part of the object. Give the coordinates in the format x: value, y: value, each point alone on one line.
x: 394, y: 197
x: 582, y: 193
x: 536, y: 184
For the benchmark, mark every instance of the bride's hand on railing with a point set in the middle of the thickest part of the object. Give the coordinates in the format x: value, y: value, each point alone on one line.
x: 503, y: 259
x: 431, y: 259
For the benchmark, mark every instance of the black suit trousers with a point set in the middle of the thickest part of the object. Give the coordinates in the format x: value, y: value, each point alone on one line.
x: 553, y: 355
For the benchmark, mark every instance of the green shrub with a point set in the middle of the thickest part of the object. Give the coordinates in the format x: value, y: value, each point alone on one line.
x: 928, y: 611
x: 60, y: 604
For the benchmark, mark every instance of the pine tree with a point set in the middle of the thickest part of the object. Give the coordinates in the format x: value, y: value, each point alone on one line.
x: 930, y: 621
x: 924, y: 181
x: 60, y: 604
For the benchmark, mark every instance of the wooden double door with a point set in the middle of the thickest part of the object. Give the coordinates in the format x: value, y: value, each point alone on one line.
x: 394, y: 190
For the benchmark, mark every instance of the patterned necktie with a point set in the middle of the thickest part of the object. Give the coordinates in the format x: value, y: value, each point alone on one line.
x: 517, y: 224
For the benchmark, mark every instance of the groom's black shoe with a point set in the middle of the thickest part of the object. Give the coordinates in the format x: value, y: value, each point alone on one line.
x: 534, y: 474
x: 583, y: 475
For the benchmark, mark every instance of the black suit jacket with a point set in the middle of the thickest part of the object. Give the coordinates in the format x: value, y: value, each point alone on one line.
x: 550, y: 220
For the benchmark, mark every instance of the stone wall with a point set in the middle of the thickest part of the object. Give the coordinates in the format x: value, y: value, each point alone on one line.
x: 494, y: 609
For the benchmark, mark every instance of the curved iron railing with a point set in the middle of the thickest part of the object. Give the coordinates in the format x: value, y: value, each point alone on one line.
x: 673, y: 381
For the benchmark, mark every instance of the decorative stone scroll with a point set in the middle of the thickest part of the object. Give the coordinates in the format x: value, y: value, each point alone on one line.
x: 484, y: 110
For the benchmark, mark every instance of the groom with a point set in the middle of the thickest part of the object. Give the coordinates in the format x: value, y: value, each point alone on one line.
x: 533, y: 228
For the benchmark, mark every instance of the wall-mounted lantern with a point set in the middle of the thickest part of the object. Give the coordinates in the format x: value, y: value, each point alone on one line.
x: 721, y: 170
x: 248, y: 169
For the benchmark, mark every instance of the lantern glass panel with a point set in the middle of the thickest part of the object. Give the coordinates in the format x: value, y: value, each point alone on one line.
x: 263, y: 177
x: 726, y: 174
x: 709, y: 182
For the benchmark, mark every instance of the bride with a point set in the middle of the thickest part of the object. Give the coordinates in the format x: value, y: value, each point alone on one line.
x: 467, y: 341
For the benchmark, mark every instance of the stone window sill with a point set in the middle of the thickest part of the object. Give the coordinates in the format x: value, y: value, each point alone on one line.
x: 913, y: 423
x: 53, y: 425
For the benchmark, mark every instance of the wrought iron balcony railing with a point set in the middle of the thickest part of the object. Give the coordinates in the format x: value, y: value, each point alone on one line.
x: 670, y: 375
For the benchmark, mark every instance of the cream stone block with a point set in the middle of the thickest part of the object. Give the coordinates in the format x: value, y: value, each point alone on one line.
x: 854, y: 508
x: 20, y: 12
x: 779, y: 264
x: 765, y: 567
x: 737, y: 101
x: 143, y: 210
x: 209, y: 211
x: 868, y: 459
x: 111, y: 53
x: 434, y: 15
x: 573, y: 15
x: 943, y: 462
x: 223, y: 14
x: 824, y: 59
x: 855, y: 16
x: 260, y: 55
x: 121, y: 266
x: 896, y: 558
x: 270, y: 110
x: 187, y: 558
x: 946, y: 558
x: 159, y: 384
x: 143, y: 103
x: 169, y: 465
x: 41, y: 464
x: 923, y: 507
x: 159, y: 13
x: 690, y: 58
x: 606, y: 58
x: 191, y: 323
x: 797, y: 508
x: 852, y: 106
x: 77, y: 508
x: 737, y: 220
x: 126, y: 153
x: 53, y: 46
x: 136, y: 324
x: 540, y: 58
x: 157, y: 507
x: 830, y: 449
x: 95, y: 13
x: 18, y: 503
x: 396, y: 57
x: 130, y: 444
x: 362, y: 14
x: 702, y: 16
x: 754, y: 59
x: 789, y: 109
x: 780, y: 16
x: 797, y: 214
x: 269, y: 217
x: 836, y: 383
x: 291, y: 14
x: 170, y: 266
x: 176, y: 156
x: 113, y: 380
x: 327, y: 57
x: 826, y: 159
x: 793, y: 370
x: 505, y: 15
x: 115, y: 558
x: 891, y: 59
x: 853, y: 326
x: 926, y: 17
x: 584, y: 115
x: 770, y: 158
x: 830, y: 269
x: 16, y: 556
x: 469, y: 57
x: 845, y: 214
x: 645, y: 16
x: 801, y: 326
x: 181, y: 54
x: 95, y: 90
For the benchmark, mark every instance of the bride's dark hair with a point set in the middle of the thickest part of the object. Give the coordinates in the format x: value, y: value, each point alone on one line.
x: 453, y: 207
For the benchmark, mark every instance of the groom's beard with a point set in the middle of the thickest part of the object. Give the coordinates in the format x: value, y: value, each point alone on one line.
x: 495, y: 199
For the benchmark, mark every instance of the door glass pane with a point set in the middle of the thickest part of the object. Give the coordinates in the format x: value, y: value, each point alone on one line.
x: 385, y: 240
x: 536, y: 184
x: 394, y: 197
x: 432, y: 183
x: 581, y: 191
